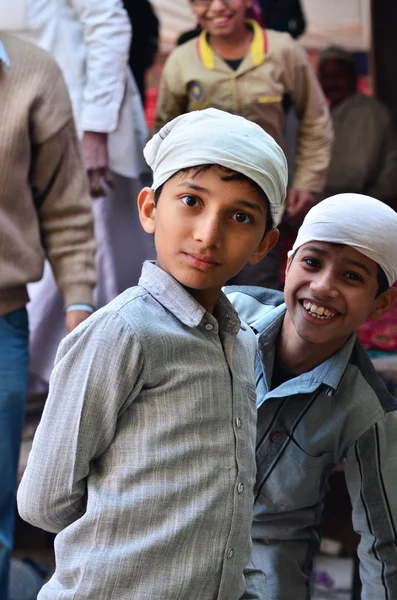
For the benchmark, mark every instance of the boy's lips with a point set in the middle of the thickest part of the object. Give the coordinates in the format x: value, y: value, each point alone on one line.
x: 318, y: 310
x: 201, y: 261
x: 221, y: 21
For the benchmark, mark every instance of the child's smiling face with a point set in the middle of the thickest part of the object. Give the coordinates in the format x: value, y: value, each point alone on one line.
x: 221, y: 18
x: 207, y: 226
x: 330, y: 290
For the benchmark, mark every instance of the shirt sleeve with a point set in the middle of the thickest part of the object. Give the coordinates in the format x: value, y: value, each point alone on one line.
x: 107, y: 37
x: 256, y: 586
x: 88, y: 390
x: 285, y: 545
x: 371, y: 475
x: 172, y: 97
x: 315, y: 133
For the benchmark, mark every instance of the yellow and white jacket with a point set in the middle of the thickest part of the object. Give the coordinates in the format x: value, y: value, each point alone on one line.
x: 194, y: 78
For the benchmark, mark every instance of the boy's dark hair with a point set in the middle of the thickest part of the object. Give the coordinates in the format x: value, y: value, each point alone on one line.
x: 230, y: 175
x: 383, y: 283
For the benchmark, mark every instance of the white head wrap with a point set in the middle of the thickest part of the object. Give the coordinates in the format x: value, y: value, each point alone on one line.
x: 366, y: 224
x: 213, y: 136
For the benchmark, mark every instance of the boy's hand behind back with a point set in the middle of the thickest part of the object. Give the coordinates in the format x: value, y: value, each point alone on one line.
x: 75, y: 317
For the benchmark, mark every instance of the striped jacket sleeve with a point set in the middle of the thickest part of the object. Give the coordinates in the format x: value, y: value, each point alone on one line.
x: 371, y: 476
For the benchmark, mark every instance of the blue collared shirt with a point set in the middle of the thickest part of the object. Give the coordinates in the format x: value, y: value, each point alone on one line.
x: 340, y: 412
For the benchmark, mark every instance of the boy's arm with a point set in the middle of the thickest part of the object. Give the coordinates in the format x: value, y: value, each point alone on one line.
x: 315, y: 135
x: 88, y: 389
x: 371, y: 476
x: 172, y: 99
x: 256, y: 585
x: 285, y: 545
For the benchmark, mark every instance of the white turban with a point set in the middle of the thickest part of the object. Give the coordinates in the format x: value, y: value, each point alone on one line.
x: 213, y: 136
x: 366, y: 224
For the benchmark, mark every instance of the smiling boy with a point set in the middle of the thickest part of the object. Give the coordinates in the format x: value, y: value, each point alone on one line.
x: 144, y: 461
x: 320, y: 400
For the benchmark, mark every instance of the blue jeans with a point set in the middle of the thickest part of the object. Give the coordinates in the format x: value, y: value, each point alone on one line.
x: 14, y: 338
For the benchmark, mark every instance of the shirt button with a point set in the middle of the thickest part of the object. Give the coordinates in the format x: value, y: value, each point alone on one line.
x: 230, y: 553
x: 240, y: 488
x: 238, y: 422
x: 209, y: 327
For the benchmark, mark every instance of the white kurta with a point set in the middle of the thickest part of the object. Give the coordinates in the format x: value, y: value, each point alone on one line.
x: 90, y: 41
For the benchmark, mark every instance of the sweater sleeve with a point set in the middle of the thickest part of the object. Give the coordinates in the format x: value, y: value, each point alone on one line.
x: 315, y: 134
x: 64, y: 206
x: 88, y: 390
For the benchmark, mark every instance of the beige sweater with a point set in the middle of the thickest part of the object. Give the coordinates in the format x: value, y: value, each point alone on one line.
x: 45, y: 207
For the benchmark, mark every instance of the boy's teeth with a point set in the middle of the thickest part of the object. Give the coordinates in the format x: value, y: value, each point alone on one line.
x: 321, y: 312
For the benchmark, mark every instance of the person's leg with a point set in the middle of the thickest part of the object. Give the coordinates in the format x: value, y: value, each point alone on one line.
x: 14, y: 334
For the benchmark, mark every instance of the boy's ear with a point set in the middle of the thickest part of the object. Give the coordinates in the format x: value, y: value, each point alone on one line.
x: 147, y: 209
x: 266, y: 244
x: 383, y: 303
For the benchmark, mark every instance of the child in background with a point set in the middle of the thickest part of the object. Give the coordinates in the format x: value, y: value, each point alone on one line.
x: 320, y: 401
x: 144, y: 460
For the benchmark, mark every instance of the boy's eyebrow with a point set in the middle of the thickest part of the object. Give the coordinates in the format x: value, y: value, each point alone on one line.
x: 349, y: 261
x: 357, y: 263
x: 199, y: 188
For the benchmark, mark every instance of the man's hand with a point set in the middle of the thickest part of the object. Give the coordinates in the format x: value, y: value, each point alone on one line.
x: 75, y: 317
x: 298, y: 205
x: 95, y: 154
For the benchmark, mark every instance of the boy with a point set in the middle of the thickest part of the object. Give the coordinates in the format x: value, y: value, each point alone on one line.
x: 144, y: 461
x: 237, y: 66
x: 320, y: 400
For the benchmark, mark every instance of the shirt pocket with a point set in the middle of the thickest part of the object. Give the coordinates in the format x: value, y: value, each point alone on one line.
x: 297, y: 480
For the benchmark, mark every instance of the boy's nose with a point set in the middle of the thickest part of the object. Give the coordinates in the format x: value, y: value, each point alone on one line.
x: 323, y: 285
x: 209, y: 232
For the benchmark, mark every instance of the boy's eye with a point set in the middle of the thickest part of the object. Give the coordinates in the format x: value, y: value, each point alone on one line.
x: 189, y: 200
x: 354, y: 276
x: 312, y: 262
x: 242, y: 217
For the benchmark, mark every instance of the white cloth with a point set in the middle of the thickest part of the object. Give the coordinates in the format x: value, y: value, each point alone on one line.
x: 90, y: 41
x: 355, y: 220
x: 212, y: 136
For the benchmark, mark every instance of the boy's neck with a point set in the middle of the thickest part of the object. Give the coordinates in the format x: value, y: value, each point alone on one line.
x: 233, y: 47
x: 298, y: 355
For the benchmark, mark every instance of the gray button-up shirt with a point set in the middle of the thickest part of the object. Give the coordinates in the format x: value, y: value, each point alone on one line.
x: 144, y: 460
x: 338, y: 412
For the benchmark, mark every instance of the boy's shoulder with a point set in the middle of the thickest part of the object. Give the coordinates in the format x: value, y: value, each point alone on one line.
x: 362, y: 374
x: 256, y: 306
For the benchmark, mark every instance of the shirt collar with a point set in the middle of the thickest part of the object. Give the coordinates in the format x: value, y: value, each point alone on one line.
x: 173, y: 296
x: 258, y: 48
x: 328, y: 373
x: 3, y: 55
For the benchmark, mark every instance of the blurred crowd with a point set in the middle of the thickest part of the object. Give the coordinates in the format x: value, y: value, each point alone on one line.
x: 72, y: 81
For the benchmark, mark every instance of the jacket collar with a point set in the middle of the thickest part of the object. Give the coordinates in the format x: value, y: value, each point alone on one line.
x: 258, y: 48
